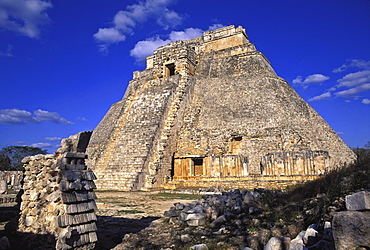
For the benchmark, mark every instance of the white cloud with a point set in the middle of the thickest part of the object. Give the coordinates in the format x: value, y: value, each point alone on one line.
x: 24, y: 16
x: 42, y: 115
x: 58, y: 139
x: 355, y: 79
x: 82, y: 119
x: 216, y: 26
x: 311, y: 79
x: 353, y: 92
x: 169, y: 19
x: 357, y: 82
x: 315, y: 78
x: 145, y: 48
x: 18, y: 116
x: 354, y: 63
x: 323, y: 96
x: 366, y: 101
x: 126, y: 20
x: 298, y: 80
x: 109, y: 35
x: 123, y: 21
x: 187, y: 34
x: 42, y: 145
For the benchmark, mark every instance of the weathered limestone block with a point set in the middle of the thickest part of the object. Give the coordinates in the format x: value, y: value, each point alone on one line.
x: 3, y: 187
x: 351, y: 230
x: 277, y: 243
x: 358, y: 201
x: 199, y: 247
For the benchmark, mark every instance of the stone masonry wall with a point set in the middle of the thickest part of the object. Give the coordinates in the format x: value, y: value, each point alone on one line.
x: 211, y: 97
x: 12, y: 178
x: 133, y: 134
x: 58, y: 200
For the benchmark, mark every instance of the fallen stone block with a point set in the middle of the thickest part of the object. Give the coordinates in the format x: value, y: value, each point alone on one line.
x: 196, y: 216
x: 277, y: 243
x: 217, y: 222
x: 196, y: 222
x: 171, y: 213
x: 358, y: 201
x: 351, y: 230
x: 199, y: 247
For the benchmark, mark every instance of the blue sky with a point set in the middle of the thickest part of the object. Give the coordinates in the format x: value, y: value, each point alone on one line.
x: 63, y: 63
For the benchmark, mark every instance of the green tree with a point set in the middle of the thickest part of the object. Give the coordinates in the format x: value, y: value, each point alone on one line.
x: 5, y: 162
x: 17, y: 153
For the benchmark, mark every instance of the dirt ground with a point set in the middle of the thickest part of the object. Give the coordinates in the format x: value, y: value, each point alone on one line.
x: 136, y: 205
x: 121, y: 214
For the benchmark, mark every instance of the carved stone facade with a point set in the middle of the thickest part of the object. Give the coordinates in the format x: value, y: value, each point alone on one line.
x: 211, y: 111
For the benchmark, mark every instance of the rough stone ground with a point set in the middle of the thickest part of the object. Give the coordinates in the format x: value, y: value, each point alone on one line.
x: 122, y: 214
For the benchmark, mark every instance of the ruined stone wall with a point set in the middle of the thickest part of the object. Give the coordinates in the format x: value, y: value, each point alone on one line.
x: 12, y: 178
x: 265, y: 112
x: 58, y: 200
x: 133, y: 134
x: 158, y: 167
x: 295, y: 163
x: 211, y: 107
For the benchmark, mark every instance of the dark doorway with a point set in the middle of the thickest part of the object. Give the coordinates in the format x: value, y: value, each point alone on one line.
x: 198, y: 166
x: 170, y: 69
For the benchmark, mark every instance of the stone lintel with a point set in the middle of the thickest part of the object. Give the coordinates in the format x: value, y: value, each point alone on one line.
x: 75, y: 155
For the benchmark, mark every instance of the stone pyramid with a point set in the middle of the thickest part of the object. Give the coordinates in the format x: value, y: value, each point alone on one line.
x: 211, y: 111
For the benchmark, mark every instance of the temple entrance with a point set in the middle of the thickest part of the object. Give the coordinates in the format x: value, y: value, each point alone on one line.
x: 235, y: 145
x: 197, y: 167
x: 169, y: 69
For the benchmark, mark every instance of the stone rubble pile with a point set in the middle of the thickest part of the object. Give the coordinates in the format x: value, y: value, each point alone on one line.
x: 58, y: 200
x: 200, y: 191
x: 217, y: 208
x: 234, y: 211
x: 351, y: 228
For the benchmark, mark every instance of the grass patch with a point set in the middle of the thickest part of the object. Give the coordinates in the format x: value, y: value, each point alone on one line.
x: 126, y: 205
x: 12, y: 191
x: 312, y: 199
x: 338, y: 182
x: 171, y: 196
x: 111, y: 201
x: 133, y: 211
x: 108, y: 191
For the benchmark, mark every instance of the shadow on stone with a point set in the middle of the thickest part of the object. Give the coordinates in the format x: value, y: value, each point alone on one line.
x: 31, y: 241
x: 111, y: 230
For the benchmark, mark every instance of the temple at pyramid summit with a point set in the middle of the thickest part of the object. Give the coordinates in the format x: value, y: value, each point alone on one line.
x: 211, y: 111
